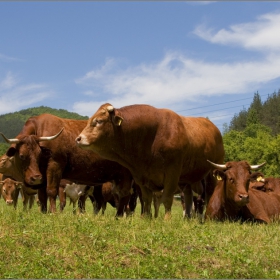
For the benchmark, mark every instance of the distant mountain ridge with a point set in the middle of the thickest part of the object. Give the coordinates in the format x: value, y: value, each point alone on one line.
x: 12, y: 123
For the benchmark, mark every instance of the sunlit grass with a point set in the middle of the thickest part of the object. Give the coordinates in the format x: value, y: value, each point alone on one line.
x: 63, y: 245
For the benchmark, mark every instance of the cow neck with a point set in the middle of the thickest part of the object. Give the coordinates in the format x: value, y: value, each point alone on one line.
x: 16, y: 172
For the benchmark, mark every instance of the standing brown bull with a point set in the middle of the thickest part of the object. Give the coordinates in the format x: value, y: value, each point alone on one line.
x: 160, y: 148
x: 46, y: 159
x: 231, y: 192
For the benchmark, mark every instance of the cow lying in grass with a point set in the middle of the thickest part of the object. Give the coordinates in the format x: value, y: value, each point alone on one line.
x: 231, y: 192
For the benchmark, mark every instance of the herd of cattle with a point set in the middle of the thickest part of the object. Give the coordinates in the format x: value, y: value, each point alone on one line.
x: 137, y: 151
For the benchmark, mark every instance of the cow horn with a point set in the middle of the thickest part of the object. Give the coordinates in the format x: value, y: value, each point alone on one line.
x: 48, y: 138
x: 219, y: 166
x: 11, y: 141
x: 110, y: 108
x: 255, y: 167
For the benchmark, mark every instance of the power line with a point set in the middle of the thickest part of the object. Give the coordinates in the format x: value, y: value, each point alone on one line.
x: 219, y: 103
x: 216, y: 110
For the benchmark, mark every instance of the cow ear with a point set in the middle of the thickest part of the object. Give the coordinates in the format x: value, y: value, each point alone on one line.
x: 118, y: 120
x: 220, y: 175
x: 257, y: 176
x: 11, y: 151
x: 18, y: 185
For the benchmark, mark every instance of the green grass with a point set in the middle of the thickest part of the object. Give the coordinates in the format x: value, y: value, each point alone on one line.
x: 63, y: 245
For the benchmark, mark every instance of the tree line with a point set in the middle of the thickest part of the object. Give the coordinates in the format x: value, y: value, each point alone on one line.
x: 253, y: 134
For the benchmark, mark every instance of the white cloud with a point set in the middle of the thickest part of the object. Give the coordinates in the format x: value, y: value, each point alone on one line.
x: 8, y: 58
x: 261, y: 35
x: 14, y: 96
x: 177, y: 79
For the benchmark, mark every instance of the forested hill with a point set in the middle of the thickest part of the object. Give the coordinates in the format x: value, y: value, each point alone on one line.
x: 12, y: 123
x: 266, y: 113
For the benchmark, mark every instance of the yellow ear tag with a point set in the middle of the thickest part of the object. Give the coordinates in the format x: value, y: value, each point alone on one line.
x: 131, y: 191
x: 219, y: 178
x: 260, y: 178
x: 119, y: 122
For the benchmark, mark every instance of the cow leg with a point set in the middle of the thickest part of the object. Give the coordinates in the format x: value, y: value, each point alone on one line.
x: 38, y: 201
x: 183, y: 203
x: 123, y: 202
x: 43, y: 198
x: 156, y: 201
x: 74, y: 207
x: 147, y: 196
x: 104, y: 206
x: 132, y: 201
x: 188, y: 199
x: 54, y: 175
x: 25, y: 202
x: 82, y: 203
x: 62, y: 198
x: 15, y: 200
x: 31, y: 201
x: 97, y: 206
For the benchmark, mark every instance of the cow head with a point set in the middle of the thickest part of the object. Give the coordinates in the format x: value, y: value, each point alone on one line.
x: 99, y: 127
x: 27, y: 154
x: 5, y: 163
x: 9, y: 190
x: 236, y: 176
x: 257, y: 181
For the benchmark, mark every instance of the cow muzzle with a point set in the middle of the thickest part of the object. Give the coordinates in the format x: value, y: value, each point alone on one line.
x: 243, y: 198
x: 82, y: 141
x: 9, y: 202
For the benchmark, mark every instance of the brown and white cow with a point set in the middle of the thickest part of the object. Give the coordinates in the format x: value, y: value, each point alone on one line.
x: 75, y: 192
x: 46, y: 153
x: 160, y: 148
x: 231, y: 192
x: 10, y: 190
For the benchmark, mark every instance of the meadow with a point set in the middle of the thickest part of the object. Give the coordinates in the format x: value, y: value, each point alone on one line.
x: 67, y: 246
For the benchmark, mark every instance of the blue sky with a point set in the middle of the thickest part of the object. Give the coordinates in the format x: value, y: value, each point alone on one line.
x: 202, y: 58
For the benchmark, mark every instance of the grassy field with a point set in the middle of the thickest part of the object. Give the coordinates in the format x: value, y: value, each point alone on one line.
x: 63, y: 245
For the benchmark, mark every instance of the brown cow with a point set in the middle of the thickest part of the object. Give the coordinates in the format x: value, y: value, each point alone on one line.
x: 8, y: 167
x: 45, y: 160
x: 266, y: 184
x: 160, y: 148
x: 10, y: 190
x: 108, y: 193
x: 231, y: 192
x: 263, y: 206
x: 104, y: 194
